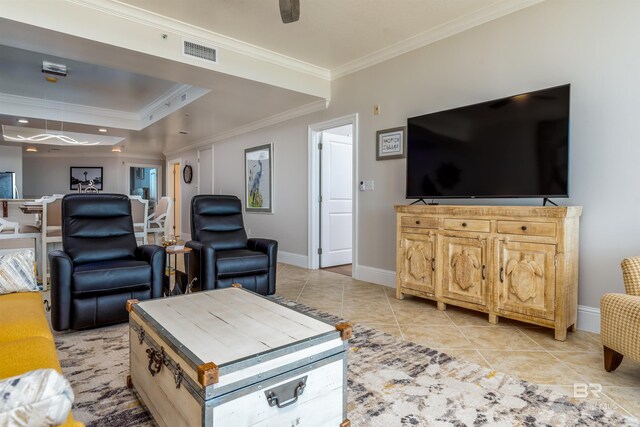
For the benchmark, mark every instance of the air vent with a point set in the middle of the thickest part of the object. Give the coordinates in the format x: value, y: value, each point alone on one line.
x: 199, y: 51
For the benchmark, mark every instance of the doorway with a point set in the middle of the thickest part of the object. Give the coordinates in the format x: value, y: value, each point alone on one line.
x: 173, y: 190
x: 333, y: 148
x: 145, y: 181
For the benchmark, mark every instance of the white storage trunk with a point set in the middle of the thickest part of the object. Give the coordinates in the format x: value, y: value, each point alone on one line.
x: 233, y: 358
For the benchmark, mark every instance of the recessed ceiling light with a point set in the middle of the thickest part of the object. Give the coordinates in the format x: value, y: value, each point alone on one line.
x: 23, y: 121
x: 116, y: 150
x: 32, y: 150
x: 102, y: 130
x: 184, y: 132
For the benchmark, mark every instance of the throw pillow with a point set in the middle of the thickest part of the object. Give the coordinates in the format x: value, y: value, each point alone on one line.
x: 37, y: 398
x: 16, y: 272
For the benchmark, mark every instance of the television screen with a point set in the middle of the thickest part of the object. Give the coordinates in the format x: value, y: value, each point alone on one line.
x: 510, y: 147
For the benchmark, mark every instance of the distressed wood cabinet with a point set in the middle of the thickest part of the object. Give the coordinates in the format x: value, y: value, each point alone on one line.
x: 518, y: 262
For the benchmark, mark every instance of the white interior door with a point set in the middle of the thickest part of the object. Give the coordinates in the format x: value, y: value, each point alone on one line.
x: 205, y: 171
x: 336, y: 200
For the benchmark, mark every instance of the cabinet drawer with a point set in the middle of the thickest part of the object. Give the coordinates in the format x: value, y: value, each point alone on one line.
x: 527, y: 228
x: 460, y: 224
x: 420, y: 222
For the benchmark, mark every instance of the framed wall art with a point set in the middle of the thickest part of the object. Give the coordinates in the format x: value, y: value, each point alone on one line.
x: 258, y: 179
x: 84, y: 175
x: 391, y: 144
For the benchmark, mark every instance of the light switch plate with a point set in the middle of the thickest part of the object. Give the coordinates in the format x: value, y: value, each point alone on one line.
x: 366, y: 185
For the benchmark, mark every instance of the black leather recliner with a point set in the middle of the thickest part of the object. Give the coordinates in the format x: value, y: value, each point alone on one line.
x: 101, y: 266
x: 222, y: 254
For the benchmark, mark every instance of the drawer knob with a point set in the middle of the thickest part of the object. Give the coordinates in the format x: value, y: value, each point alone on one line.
x: 464, y: 224
x: 418, y: 222
x: 523, y: 228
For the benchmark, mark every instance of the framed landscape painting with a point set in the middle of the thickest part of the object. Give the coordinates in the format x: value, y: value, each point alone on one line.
x: 84, y: 175
x: 258, y: 179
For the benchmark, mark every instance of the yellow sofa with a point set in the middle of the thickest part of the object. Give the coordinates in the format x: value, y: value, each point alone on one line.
x: 26, y: 342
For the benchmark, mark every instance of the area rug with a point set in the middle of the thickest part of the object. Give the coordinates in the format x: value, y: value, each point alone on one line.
x: 391, y: 383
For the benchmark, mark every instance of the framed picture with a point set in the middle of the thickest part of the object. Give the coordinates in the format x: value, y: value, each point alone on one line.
x: 84, y: 175
x: 258, y: 179
x: 391, y: 144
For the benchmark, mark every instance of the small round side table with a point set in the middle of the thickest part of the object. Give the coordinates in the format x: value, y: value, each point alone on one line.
x: 177, y: 288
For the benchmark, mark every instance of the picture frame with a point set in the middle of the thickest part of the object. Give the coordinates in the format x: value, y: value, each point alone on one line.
x: 391, y: 143
x: 258, y: 179
x: 83, y: 175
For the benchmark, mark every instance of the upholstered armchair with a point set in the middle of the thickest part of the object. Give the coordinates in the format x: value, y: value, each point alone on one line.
x: 101, y: 266
x: 620, y: 318
x: 222, y: 254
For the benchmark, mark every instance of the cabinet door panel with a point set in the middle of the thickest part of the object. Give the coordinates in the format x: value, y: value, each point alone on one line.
x: 463, y: 272
x: 526, y: 279
x: 418, y: 262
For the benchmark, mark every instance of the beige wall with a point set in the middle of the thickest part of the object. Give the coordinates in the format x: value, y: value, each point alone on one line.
x: 49, y: 174
x: 592, y: 45
x: 553, y: 43
x: 288, y: 223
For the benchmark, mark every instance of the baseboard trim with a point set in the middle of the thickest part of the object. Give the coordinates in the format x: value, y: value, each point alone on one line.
x: 293, y: 259
x: 589, y: 319
x: 375, y: 275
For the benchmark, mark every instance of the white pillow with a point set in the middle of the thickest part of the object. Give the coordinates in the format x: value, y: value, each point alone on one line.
x: 37, y: 398
x: 16, y: 272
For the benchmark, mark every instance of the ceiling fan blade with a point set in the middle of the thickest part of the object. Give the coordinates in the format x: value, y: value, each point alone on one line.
x: 289, y: 10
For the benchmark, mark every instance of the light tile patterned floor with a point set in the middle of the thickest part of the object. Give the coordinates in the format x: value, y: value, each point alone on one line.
x: 519, y: 349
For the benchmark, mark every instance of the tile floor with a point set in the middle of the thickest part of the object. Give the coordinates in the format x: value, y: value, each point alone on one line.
x: 522, y: 350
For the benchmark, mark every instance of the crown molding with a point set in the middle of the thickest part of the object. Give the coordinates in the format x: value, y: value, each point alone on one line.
x: 443, y: 31
x: 22, y: 101
x: 146, y: 156
x: 162, y: 106
x: 160, y: 101
x: 319, y: 105
x: 169, y: 102
x: 202, y: 35
x: 120, y: 156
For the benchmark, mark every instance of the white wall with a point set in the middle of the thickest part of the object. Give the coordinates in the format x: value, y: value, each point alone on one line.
x: 11, y: 161
x: 592, y: 45
x: 44, y: 173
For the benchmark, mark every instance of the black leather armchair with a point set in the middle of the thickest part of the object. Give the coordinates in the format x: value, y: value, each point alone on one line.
x: 101, y: 266
x: 222, y: 254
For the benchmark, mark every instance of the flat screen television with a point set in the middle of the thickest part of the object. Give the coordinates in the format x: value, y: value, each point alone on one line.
x: 510, y: 147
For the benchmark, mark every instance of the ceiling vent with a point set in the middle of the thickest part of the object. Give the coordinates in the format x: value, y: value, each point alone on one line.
x: 199, y: 51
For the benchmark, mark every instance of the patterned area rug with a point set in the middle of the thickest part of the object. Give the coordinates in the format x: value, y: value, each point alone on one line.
x: 391, y: 383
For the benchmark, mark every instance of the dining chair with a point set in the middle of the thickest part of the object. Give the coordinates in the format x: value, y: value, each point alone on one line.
x: 140, y: 211
x: 158, y: 222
